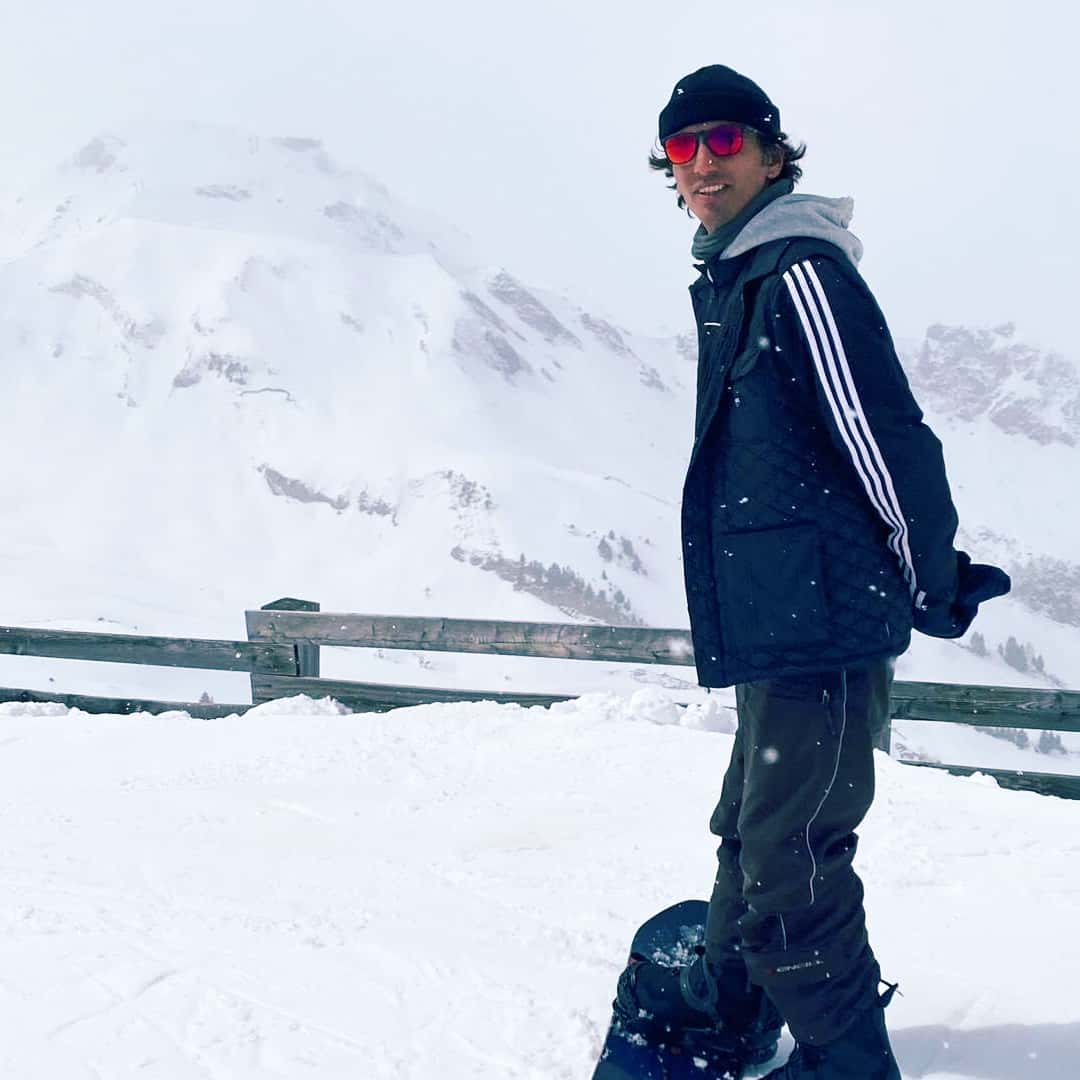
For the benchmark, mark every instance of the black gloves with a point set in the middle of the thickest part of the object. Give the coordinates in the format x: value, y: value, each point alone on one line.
x: 977, y: 582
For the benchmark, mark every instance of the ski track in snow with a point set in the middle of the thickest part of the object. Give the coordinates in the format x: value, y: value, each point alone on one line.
x: 449, y: 892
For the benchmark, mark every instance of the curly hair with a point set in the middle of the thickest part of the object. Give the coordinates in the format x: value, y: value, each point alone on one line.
x: 772, y: 146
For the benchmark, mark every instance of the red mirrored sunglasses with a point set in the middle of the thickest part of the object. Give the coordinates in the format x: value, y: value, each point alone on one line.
x: 724, y: 140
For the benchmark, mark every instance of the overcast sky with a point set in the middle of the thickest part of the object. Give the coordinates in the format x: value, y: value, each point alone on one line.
x: 952, y: 123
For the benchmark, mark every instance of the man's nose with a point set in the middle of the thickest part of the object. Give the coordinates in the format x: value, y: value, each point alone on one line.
x: 704, y: 155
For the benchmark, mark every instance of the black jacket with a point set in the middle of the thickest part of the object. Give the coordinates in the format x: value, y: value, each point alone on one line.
x: 817, y: 519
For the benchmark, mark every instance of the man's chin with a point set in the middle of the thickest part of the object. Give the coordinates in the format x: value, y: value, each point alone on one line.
x: 714, y: 218
x: 713, y: 223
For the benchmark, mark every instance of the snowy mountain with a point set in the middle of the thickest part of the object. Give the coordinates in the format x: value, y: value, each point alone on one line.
x: 236, y: 371
x: 289, y: 385
x: 1009, y: 417
x: 974, y: 374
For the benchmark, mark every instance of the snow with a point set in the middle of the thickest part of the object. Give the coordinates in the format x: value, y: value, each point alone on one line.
x: 448, y: 891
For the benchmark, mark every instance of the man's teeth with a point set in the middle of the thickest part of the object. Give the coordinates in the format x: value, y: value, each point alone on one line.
x: 712, y: 189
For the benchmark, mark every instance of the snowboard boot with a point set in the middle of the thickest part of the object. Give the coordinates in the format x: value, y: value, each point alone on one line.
x: 728, y: 1013
x: 861, y: 1053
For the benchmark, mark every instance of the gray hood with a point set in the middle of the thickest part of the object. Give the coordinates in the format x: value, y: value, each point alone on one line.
x: 800, y: 215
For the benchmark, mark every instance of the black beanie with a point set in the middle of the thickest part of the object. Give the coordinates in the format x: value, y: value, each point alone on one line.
x: 718, y: 93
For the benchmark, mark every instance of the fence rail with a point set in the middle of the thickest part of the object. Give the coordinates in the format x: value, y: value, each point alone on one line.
x: 123, y: 706
x: 1060, y: 784
x: 987, y: 706
x: 380, y: 697
x: 209, y: 655
x: 281, y: 656
x: 561, y: 641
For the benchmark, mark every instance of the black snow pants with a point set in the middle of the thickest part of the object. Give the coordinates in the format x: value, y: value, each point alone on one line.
x: 787, y: 902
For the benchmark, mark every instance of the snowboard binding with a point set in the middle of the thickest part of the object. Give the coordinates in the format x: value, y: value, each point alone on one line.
x: 656, y: 1033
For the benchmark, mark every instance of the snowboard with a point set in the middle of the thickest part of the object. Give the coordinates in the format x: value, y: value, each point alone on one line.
x: 634, y: 1051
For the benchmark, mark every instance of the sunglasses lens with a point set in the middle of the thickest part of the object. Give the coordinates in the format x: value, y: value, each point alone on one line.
x: 725, y: 140
x: 681, y: 148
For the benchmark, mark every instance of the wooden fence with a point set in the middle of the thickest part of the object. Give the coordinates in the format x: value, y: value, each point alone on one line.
x: 282, y: 657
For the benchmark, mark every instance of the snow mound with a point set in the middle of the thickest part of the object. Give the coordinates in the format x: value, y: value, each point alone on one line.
x: 299, y: 705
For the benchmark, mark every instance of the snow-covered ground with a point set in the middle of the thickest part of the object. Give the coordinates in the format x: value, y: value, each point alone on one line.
x: 448, y: 892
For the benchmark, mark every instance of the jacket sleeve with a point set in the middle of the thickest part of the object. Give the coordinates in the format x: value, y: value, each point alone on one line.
x: 835, y: 338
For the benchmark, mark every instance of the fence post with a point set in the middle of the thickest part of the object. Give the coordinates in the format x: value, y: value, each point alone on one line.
x: 307, y: 656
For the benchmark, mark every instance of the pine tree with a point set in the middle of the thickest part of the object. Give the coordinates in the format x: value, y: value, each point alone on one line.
x: 1014, y: 654
x: 1050, y: 743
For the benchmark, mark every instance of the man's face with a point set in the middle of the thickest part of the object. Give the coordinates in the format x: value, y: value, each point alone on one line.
x: 715, y: 188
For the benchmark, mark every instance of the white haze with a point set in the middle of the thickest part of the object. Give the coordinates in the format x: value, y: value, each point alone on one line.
x: 527, y: 126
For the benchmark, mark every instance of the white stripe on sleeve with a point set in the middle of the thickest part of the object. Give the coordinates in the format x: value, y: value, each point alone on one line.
x: 834, y: 373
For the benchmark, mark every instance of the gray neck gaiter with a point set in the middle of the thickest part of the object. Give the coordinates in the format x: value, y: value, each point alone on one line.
x: 707, y: 245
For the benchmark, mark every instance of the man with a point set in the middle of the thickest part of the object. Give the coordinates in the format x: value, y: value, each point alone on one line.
x: 818, y: 530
